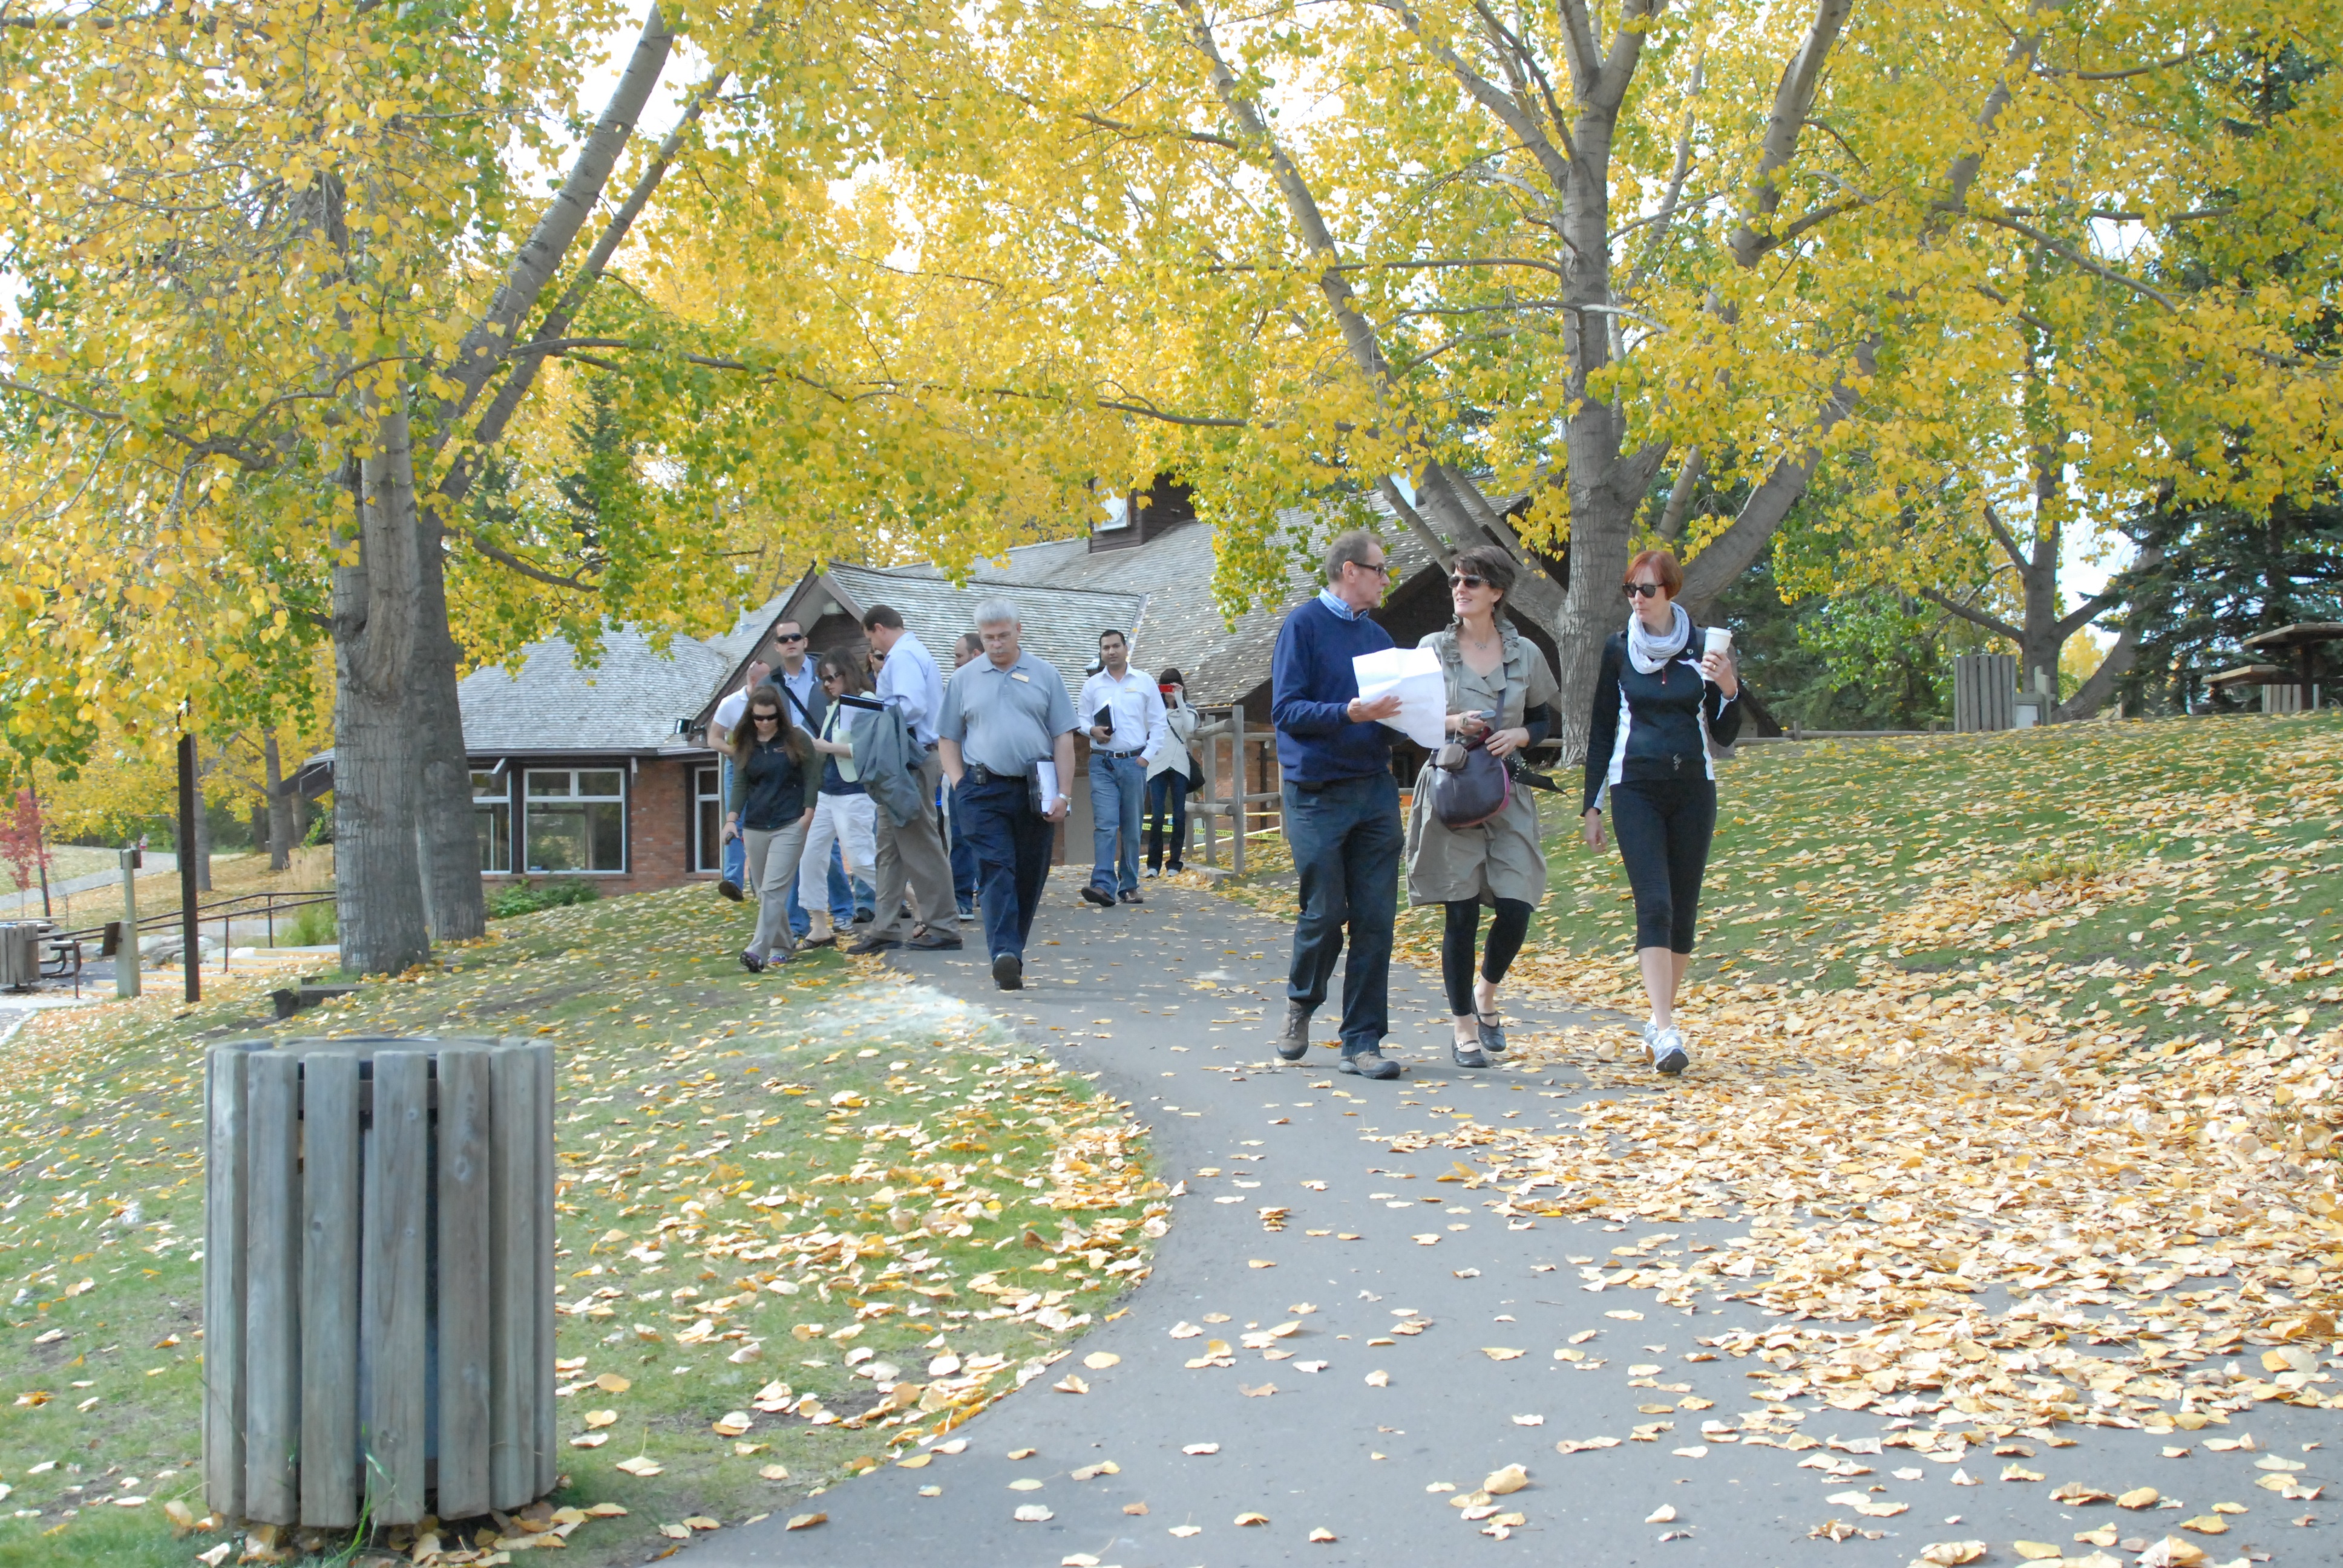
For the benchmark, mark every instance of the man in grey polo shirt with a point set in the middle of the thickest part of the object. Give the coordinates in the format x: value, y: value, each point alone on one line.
x: 1003, y: 715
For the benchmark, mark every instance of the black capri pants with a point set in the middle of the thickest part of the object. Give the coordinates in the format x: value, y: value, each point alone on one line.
x: 1663, y: 826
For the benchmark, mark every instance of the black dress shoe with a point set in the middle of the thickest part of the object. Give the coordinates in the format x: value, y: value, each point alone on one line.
x: 1009, y: 972
x: 1099, y: 895
x: 1130, y: 896
x: 730, y: 888
x: 929, y: 943
x: 871, y: 945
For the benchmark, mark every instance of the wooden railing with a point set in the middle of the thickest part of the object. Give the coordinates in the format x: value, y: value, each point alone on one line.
x: 1224, y: 745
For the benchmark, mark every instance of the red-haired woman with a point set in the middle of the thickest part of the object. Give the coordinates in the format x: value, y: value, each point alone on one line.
x: 1662, y: 698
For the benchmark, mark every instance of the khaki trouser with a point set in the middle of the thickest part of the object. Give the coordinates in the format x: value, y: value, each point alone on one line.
x: 914, y: 853
x: 772, y: 867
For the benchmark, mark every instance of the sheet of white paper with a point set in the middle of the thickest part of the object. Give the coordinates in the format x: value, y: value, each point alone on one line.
x: 1414, y: 674
x: 1048, y: 770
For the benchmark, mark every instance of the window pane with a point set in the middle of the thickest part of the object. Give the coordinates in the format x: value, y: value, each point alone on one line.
x: 607, y: 827
x: 557, y: 837
x: 544, y: 783
x: 708, y: 848
x: 494, y: 826
x: 488, y: 785
x: 609, y: 785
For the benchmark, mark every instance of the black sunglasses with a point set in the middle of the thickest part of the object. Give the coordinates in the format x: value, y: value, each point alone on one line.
x: 1643, y: 591
x: 1466, y: 580
x: 766, y: 717
x: 791, y: 637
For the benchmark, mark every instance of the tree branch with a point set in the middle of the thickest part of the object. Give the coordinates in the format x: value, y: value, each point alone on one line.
x: 1794, y: 103
x: 2008, y: 541
x: 1993, y: 624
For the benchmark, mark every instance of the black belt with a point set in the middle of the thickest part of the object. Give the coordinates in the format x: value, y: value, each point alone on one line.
x: 1320, y: 786
x: 979, y: 773
x: 1120, y: 756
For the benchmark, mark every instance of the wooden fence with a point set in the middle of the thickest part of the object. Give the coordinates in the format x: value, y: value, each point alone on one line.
x: 1223, y: 746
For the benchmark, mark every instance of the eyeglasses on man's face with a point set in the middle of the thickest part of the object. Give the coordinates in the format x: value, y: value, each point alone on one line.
x: 1644, y: 591
x: 1380, y: 568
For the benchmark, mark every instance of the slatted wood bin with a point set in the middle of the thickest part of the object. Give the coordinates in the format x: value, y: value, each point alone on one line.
x: 378, y: 1286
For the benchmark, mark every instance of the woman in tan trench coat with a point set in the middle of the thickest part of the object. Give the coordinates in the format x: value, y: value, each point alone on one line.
x: 1499, y: 686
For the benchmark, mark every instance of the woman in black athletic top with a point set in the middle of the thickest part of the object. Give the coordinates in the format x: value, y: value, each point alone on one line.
x: 1659, y: 701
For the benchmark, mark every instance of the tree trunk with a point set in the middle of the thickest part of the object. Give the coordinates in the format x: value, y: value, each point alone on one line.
x: 449, y: 844
x: 281, y: 830
x: 377, y: 873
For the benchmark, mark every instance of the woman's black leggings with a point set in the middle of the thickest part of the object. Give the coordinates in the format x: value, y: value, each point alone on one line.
x: 1506, y: 934
x: 1663, y: 826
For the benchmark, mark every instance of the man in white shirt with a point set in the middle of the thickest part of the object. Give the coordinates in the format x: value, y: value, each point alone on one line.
x: 911, y: 854
x: 1120, y: 750
x: 720, y: 724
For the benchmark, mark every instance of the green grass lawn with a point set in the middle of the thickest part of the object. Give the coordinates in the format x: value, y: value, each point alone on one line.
x: 66, y: 861
x: 781, y: 1196
x: 2175, y: 877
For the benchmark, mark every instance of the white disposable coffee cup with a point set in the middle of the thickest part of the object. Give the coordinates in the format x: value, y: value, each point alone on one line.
x: 1718, y: 640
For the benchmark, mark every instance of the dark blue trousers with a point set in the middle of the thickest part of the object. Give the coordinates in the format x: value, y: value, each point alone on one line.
x: 1012, y: 843
x: 1346, y: 840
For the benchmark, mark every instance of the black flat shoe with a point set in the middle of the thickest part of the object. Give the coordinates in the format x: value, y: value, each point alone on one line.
x: 1467, y: 1055
x: 1103, y: 900
x: 752, y: 963
x: 730, y: 888
x: 1009, y: 972
x: 1492, y: 1029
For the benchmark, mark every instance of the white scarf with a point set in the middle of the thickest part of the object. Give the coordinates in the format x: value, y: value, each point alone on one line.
x: 1649, y: 652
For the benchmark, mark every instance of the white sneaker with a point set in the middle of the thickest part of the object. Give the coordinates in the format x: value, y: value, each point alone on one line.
x: 1668, y: 1054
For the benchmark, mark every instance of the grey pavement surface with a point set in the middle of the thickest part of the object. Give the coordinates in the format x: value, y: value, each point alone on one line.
x: 16, y: 905
x: 1188, y: 981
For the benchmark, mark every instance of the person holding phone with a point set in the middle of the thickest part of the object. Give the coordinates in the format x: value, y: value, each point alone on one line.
x: 1663, y: 697
x: 1499, y: 686
x: 1167, y: 775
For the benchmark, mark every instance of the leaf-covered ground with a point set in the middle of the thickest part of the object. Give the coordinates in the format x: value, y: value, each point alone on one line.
x: 2019, y: 1053
x: 807, y: 1221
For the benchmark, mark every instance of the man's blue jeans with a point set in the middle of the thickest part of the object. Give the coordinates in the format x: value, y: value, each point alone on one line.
x: 1346, y: 839
x: 963, y: 861
x: 1118, y: 796
x: 1012, y: 843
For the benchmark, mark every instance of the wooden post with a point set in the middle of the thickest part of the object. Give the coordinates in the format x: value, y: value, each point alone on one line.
x: 272, y: 1288
x: 392, y: 1283
x: 512, y: 1260
x: 464, y: 1234
x: 125, y: 956
x: 1237, y: 787
x: 224, y: 1248
x: 188, y: 962
x: 1211, y: 737
x: 331, y: 1484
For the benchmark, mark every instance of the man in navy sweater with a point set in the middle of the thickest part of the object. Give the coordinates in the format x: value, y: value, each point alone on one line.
x: 1342, y: 806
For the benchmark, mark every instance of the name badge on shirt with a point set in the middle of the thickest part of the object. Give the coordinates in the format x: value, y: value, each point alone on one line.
x: 1021, y: 675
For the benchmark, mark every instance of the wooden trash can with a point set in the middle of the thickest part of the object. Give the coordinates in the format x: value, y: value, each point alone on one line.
x: 379, y: 1284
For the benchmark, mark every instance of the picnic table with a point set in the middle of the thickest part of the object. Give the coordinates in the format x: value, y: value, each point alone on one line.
x: 2302, y: 638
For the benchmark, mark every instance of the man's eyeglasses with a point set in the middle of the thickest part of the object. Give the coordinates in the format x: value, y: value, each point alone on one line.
x: 1643, y: 591
x: 791, y: 637
x: 1467, y: 580
x: 1380, y: 568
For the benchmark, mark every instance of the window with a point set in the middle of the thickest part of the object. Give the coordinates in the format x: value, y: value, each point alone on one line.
x: 707, y: 819
x: 577, y: 819
x: 492, y: 815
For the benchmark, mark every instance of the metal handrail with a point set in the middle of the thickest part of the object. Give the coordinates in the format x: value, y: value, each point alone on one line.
x: 225, y: 910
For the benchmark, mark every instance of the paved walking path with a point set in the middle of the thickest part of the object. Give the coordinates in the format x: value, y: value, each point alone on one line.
x: 16, y: 905
x: 1331, y: 1450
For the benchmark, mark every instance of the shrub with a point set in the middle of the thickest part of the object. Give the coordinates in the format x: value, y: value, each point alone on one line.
x: 527, y: 898
x: 312, y: 926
